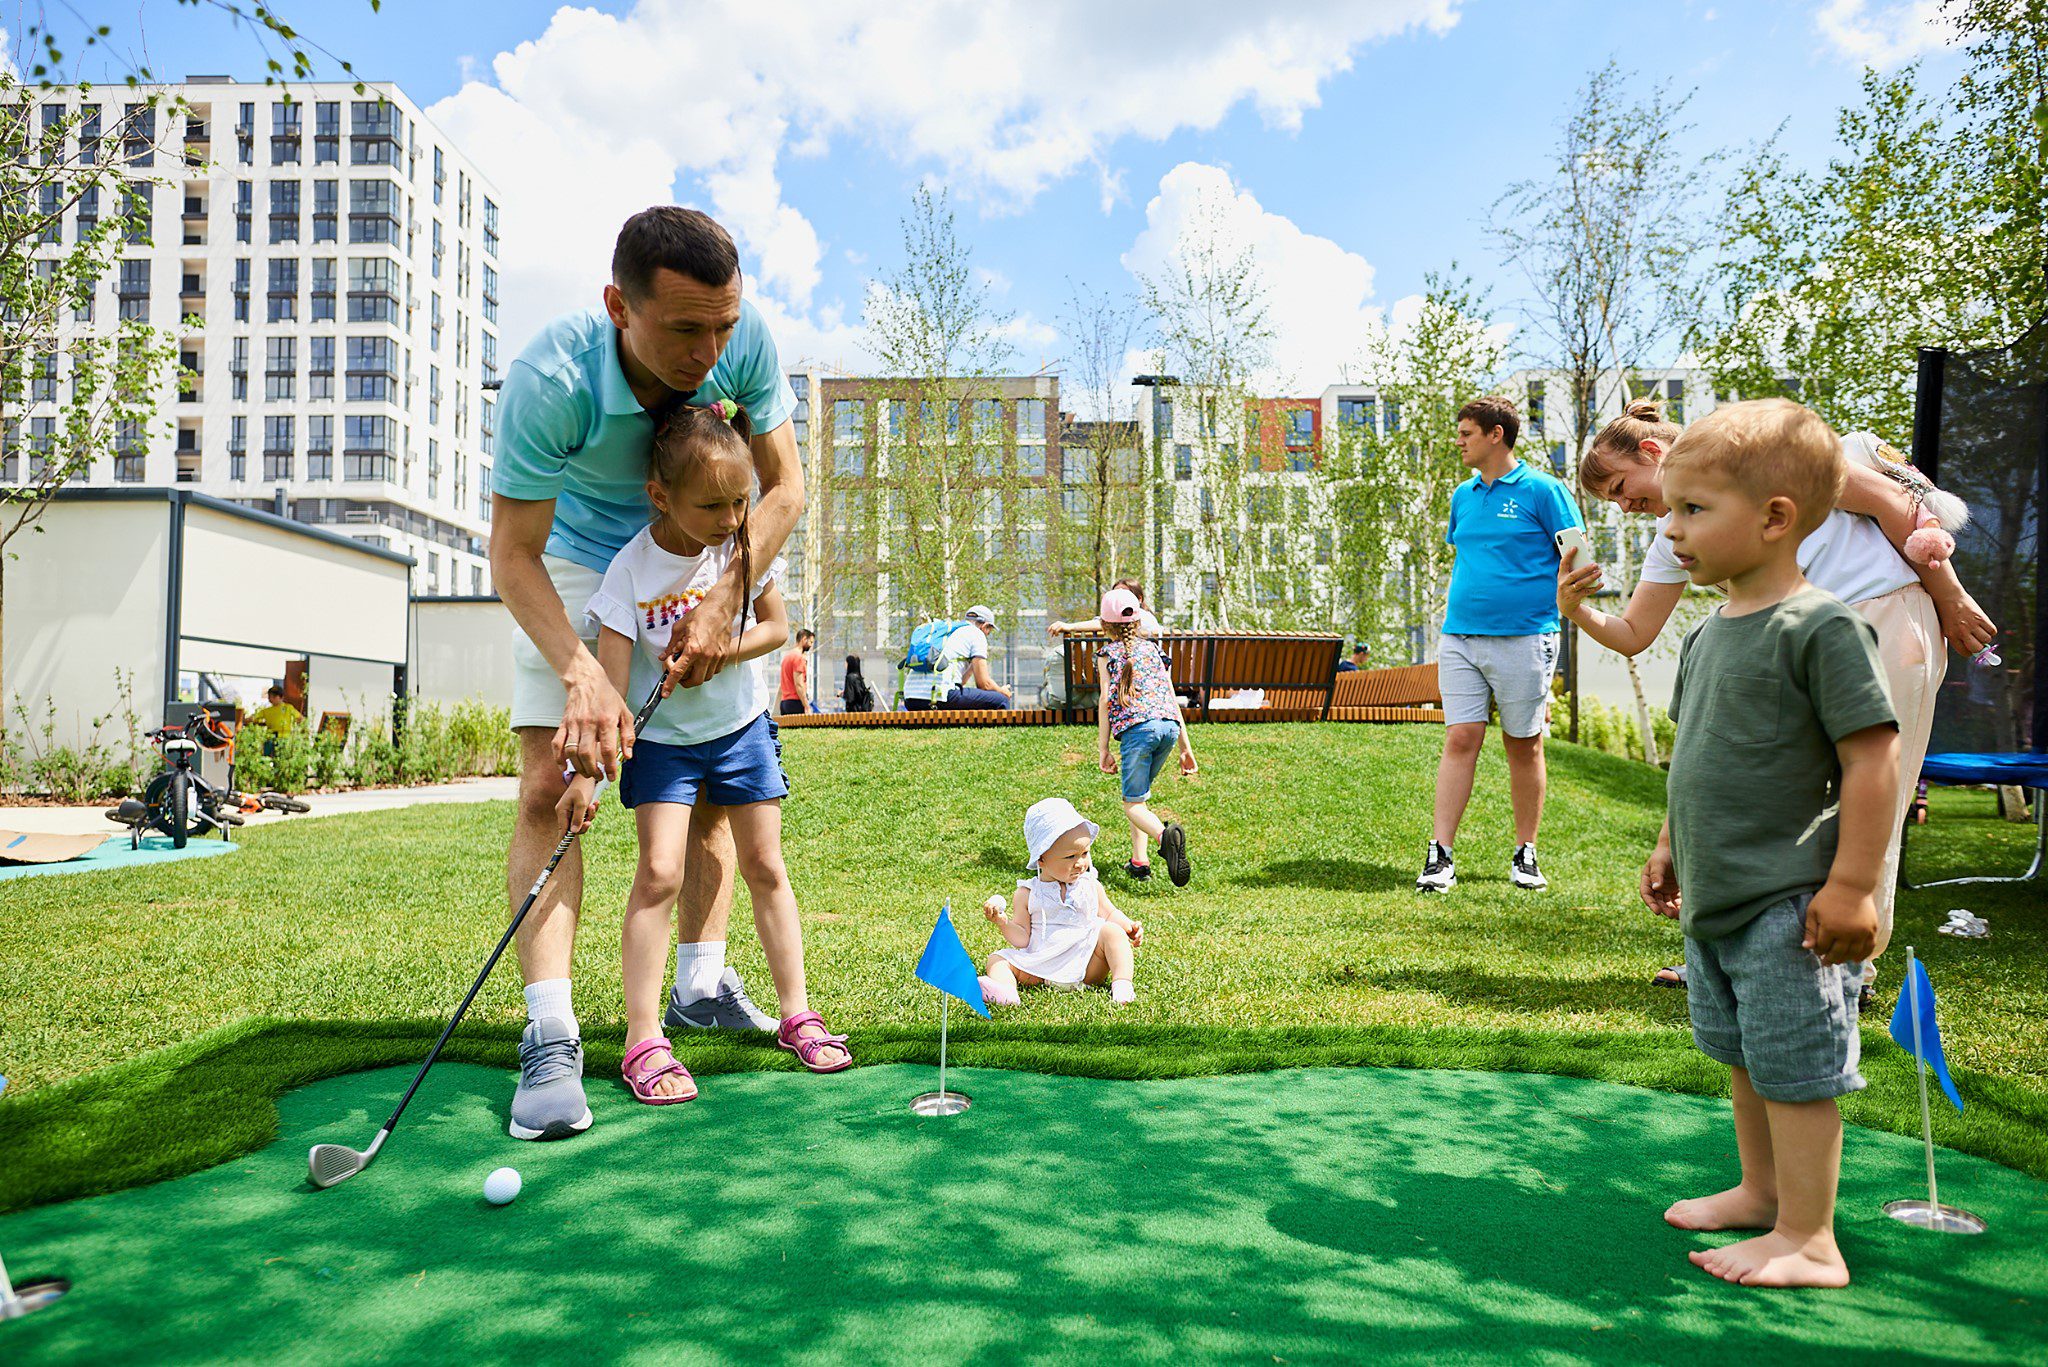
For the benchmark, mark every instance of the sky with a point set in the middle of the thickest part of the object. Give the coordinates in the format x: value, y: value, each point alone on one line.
x: 1354, y: 146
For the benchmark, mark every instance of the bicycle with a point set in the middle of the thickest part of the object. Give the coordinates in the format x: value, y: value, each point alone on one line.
x: 180, y: 802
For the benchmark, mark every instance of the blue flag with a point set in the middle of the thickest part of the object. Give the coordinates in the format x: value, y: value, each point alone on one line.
x: 1918, y: 989
x: 945, y: 965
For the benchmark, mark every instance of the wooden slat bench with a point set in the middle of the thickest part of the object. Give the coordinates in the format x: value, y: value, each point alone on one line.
x: 1208, y: 665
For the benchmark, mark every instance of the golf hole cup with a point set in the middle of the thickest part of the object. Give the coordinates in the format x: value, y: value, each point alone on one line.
x: 501, y: 1186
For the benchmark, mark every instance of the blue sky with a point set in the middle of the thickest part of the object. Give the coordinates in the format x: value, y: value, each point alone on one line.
x: 1357, y: 145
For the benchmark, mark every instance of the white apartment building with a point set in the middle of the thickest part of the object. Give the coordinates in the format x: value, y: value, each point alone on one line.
x: 329, y: 264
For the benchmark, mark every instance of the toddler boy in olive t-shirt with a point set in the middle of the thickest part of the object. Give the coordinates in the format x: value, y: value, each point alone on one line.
x: 1782, y: 780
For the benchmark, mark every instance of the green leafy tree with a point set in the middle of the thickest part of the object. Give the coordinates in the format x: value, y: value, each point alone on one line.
x: 1210, y: 313
x: 1389, y: 479
x: 1099, y: 524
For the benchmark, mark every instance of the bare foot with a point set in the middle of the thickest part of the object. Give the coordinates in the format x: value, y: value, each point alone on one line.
x: 1776, y: 1260
x: 1736, y: 1208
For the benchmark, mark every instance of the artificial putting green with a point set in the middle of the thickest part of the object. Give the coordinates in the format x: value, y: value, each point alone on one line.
x: 1293, y: 1216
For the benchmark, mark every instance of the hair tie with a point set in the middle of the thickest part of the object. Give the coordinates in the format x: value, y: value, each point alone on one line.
x: 725, y: 408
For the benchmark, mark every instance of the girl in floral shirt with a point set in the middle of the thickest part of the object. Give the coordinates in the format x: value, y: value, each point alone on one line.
x: 1141, y: 714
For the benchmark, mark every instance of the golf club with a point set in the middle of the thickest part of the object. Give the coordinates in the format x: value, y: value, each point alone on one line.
x: 327, y: 1164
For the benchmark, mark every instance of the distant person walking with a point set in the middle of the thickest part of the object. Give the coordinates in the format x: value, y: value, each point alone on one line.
x: 1140, y: 729
x: 795, y: 696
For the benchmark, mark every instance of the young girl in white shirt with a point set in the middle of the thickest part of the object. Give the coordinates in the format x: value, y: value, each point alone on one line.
x: 716, y: 741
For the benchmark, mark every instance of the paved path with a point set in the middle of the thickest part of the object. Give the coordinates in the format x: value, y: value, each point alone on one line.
x: 92, y: 820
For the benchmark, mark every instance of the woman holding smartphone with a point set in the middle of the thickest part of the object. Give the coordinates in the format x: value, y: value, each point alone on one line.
x: 1849, y: 555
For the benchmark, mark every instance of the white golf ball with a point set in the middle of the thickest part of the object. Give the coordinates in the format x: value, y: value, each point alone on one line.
x: 501, y: 1186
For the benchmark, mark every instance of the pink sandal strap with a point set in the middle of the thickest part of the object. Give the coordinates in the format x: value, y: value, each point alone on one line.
x: 642, y: 1080
x: 806, y: 1047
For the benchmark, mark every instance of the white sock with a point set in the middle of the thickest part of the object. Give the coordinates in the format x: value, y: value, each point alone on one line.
x: 550, y: 997
x: 698, y: 967
x: 1121, y: 992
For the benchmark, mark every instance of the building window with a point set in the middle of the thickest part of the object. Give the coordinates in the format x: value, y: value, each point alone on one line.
x: 372, y: 369
x: 372, y: 289
x: 50, y: 209
x: 89, y: 134
x: 373, y: 133
x: 238, y: 368
x: 1674, y: 401
x: 1183, y: 462
x: 1392, y: 416
x: 284, y: 211
x: 138, y: 137
x: 284, y: 290
x: 440, y: 175
x: 245, y: 134
x: 483, y: 490
x: 320, y: 445
x: 1031, y: 459
x: 326, y: 210
x: 280, y: 368
x: 280, y: 445
x: 1533, y: 423
x: 133, y: 290
x: 319, y: 367
x: 490, y: 225
x: 366, y: 448
x: 42, y: 382
x: 139, y: 195
x: 88, y: 212
x: 245, y: 205
x: 490, y: 356
x: 435, y: 251
x: 434, y: 322
x: 284, y: 132
x: 327, y: 132
x: 238, y: 447
x: 433, y: 468
x: 490, y: 292
x: 1358, y: 414
x: 372, y: 211
x: 129, y: 450
x: 487, y: 430
x: 323, y: 290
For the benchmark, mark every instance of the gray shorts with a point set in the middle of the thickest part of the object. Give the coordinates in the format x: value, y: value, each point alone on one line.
x: 1762, y: 1003
x: 1510, y: 672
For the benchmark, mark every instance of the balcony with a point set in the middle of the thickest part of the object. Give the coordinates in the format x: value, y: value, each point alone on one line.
x: 196, y: 132
x: 188, y: 467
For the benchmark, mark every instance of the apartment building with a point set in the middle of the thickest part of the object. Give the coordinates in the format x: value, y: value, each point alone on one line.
x: 328, y: 262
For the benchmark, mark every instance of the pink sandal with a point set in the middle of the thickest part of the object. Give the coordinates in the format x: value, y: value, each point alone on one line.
x: 806, y: 1047
x: 641, y: 1072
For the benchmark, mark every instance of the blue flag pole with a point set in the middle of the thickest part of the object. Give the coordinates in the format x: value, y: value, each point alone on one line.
x: 1920, y: 1072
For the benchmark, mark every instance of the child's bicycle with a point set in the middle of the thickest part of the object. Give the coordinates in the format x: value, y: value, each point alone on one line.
x: 180, y: 802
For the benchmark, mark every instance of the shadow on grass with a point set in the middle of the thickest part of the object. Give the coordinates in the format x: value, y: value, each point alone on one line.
x: 1002, y: 860
x: 1333, y: 875
x: 1524, y: 992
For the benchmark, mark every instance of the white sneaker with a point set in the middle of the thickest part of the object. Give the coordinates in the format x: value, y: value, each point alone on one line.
x: 1439, y: 874
x: 1522, y: 870
x: 1122, y: 992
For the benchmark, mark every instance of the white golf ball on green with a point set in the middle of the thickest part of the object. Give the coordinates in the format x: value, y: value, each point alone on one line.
x: 501, y: 1186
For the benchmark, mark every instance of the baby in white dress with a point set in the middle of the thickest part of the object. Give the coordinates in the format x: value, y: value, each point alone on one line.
x: 1061, y: 928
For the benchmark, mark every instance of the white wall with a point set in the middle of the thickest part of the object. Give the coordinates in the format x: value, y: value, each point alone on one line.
x: 86, y: 598
x: 462, y: 649
x: 257, y: 584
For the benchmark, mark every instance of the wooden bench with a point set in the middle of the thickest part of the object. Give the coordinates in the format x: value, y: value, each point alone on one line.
x: 937, y: 716
x: 1208, y: 665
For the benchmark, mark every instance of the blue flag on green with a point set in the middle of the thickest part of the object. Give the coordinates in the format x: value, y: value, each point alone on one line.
x: 1918, y: 991
x: 945, y: 963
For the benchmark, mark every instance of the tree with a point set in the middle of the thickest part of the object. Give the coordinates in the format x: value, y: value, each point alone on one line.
x: 1607, y: 241
x: 1210, y: 315
x: 952, y: 523
x: 85, y: 172
x: 2001, y: 104
x: 1390, y: 469
x: 1100, y: 459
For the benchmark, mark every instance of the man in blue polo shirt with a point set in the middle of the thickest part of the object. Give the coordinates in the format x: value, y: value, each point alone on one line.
x: 576, y: 422
x: 1499, y: 641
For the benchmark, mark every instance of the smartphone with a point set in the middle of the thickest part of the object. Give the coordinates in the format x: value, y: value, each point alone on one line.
x: 1574, y: 539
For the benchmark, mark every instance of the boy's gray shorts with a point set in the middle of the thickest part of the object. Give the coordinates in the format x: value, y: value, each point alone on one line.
x: 1761, y: 1002
x: 1513, y: 672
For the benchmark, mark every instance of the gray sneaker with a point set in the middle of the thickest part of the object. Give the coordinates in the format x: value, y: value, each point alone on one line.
x: 730, y: 1009
x: 549, y: 1103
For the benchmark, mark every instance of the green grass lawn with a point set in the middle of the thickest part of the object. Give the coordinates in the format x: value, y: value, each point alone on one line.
x: 339, y: 944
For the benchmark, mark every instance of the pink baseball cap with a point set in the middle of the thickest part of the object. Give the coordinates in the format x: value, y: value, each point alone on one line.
x: 1119, y: 605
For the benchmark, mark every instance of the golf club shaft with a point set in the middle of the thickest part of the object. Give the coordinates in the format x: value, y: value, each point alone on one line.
x: 532, y: 895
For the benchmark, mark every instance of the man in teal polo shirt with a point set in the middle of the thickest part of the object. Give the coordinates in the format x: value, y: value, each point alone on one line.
x: 1499, y: 642
x: 576, y: 422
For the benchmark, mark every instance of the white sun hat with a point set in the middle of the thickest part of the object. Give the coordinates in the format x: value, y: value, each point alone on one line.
x: 1048, y: 820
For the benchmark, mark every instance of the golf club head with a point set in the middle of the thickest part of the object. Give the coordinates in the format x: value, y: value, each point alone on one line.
x: 327, y: 1164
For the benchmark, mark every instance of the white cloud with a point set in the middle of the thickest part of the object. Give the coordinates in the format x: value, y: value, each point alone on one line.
x: 602, y: 115
x: 1317, y: 293
x: 1886, y: 34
